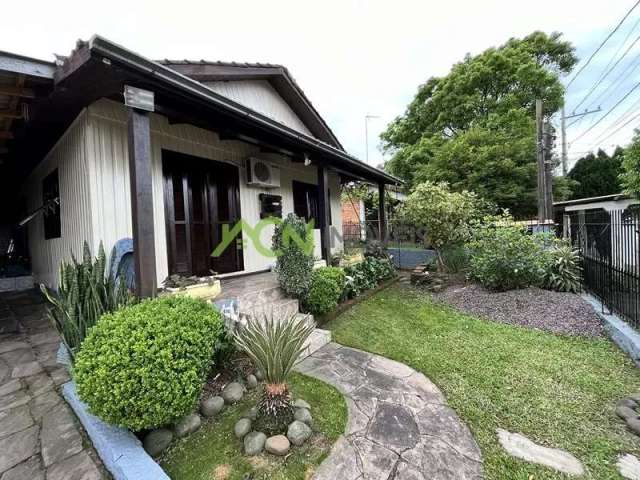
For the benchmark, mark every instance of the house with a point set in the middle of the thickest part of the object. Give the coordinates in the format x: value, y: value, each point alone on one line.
x: 105, y: 145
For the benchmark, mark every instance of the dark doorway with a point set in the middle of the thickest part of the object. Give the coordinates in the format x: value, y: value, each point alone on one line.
x: 200, y: 196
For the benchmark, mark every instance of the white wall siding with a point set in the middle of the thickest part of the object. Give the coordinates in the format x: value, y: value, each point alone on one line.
x: 110, y: 197
x: 69, y: 157
x: 259, y: 95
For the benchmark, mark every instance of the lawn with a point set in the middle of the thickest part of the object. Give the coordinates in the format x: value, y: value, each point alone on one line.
x: 557, y: 390
x: 214, y: 453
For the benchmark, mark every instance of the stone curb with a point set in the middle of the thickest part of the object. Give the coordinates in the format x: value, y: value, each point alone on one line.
x: 121, y: 452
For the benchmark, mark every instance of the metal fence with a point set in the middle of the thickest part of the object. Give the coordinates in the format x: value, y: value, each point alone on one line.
x: 609, y: 243
x: 405, y: 243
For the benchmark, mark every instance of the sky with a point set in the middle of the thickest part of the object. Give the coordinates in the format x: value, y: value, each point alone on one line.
x: 352, y: 58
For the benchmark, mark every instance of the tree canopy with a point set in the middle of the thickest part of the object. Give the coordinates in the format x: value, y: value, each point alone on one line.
x: 474, y: 128
x: 630, y: 176
x: 597, y: 175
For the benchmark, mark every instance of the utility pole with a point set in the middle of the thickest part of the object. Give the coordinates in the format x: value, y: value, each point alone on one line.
x: 563, y: 133
x: 548, y: 139
x: 540, y: 162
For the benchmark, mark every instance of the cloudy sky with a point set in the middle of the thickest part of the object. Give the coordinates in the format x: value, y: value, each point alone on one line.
x: 352, y: 57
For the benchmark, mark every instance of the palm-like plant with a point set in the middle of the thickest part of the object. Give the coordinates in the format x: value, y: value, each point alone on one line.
x: 275, y: 345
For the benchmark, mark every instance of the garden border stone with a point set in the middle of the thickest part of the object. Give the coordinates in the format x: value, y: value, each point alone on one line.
x: 120, y: 450
x: 618, y: 330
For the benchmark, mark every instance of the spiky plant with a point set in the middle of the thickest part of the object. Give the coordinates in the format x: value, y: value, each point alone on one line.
x: 274, y: 344
x: 86, y: 291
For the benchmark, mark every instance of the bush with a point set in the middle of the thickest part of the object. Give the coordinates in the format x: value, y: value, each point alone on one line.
x: 562, y: 269
x: 294, y: 264
x: 86, y: 291
x: 503, y: 256
x: 143, y: 366
x: 366, y: 275
x: 327, y: 285
x: 455, y: 259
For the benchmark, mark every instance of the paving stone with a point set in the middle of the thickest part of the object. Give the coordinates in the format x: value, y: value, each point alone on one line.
x: 342, y: 463
x: 10, y: 386
x: 77, y: 467
x: 60, y: 437
x: 43, y: 403
x: 5, y: 372
x: 38, y: 384
x: 18, y: 357
x: 8, y: 346
x: 629, y: 466
x: 377, y: 461
x: 28, y: 470
x: 394, y: 426
x: 16, y: 448
x: 59, y: 376
x: 45, y: 337
x: 13, y: 400
x: 14, y: 420
x: 519, y: 446
x: 26, y: 369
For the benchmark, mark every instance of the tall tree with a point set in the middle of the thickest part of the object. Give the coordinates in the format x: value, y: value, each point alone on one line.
x: 597, y: 175
x: 630, y: 176
x: 475, y: 128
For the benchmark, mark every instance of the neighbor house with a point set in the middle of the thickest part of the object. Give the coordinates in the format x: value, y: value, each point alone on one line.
x: 104, y: 145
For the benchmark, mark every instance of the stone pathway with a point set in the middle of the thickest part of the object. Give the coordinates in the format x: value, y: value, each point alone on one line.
x: 39, y: 434
x: 399, y: 428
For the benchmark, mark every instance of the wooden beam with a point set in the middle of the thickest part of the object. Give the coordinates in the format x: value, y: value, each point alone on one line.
x: 324, y: 205
x: 11, y: 114
x: 6, y: 136
x: 14, y: 91
x: 382, y: 214
x: 140, y: 175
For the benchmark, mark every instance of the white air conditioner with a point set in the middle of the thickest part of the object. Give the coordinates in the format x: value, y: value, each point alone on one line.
x: 262, y: 174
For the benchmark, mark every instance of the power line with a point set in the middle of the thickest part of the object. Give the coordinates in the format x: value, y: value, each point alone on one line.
x: 619, y: 128
x: 620, y: 119
x: 602, y: 44
x: 619, y: 79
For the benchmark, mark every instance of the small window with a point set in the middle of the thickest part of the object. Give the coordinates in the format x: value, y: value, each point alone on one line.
x: 306, y: 204
x: 51, y: 203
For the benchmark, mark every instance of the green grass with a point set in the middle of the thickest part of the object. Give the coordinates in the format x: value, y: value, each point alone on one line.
x: 559, y: 391
x: 214, y: 453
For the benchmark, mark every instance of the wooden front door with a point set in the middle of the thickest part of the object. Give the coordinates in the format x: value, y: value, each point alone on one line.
x: 200, y: 196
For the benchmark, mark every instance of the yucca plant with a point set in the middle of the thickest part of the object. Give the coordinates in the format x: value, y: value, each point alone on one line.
x: 563, y: 269
x: 274, y: 345
x: 86, y: 291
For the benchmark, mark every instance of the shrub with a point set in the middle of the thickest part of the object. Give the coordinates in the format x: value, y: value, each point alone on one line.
x: 366, y: 275
x: 274, y: 345
x: 503, y: 256
x: 327, y: 285
x: 562, y: 268
x: 86, y: 291
x: 143, y: 366
x: 375, y: 249
x: 294, y: 264
x: 455, y: 259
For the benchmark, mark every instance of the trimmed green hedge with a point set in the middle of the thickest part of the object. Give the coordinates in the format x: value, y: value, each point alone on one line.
x: 327, y: 285
x: 143, y: 366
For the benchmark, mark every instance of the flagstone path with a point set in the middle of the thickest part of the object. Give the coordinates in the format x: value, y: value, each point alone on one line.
x: 39, y: 434
x: 399, y: 428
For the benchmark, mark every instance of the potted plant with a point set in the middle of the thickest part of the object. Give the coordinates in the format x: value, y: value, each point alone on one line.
x: 195, y: 287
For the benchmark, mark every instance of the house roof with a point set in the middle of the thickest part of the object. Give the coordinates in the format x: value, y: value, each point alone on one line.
x: 277, y: 75
x: 582, y: 201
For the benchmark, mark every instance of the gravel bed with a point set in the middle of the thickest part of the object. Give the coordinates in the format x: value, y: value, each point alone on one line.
x: 557, y: 312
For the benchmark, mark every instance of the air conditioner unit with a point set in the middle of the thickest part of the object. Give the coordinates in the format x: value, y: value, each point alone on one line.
x: 262, y: 174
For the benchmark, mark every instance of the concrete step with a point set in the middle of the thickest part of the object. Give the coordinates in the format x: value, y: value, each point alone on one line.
x: 282, y: 308
x: 318, y: 339
x: 260, y: 297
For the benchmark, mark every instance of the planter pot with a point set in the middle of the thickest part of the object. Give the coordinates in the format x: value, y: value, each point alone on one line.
x: 206, y: 290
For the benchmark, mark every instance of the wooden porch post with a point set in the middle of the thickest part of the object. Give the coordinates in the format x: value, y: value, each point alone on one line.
x: 142, y: 202
x: 324, y: 205
x: 382, y: 214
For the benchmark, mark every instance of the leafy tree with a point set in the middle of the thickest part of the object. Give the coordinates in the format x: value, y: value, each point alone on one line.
x: 630, y: 176
x: 446, y: 216
x: 474, y: 128
x: 597, y: 175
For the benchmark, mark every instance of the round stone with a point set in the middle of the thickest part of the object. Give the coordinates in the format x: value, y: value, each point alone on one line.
x: 187, y: 425
x: 232, y: 393
x: 301, y: 404
x: 626, y: 412
x: 251, y: 414
x: 259, y: 375
x: 211, y: 406
x: 298, y: 432
x: 303, y: 415
x: 254, y: 443
x: 277, y: 445
x: 242, y: 427
x: 156, y: 441
x: 252, y: 382
x: 634, y: 425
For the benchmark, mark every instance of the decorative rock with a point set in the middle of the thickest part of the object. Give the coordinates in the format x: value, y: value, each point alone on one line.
x: 187, y: 425
x: 629, y: 467
x: 627, y: 402
x: 242, y: 427
x: 298, y: 433
x: 232, y: 393
x: 277, y: 445
x: 252, y: 382
x: 156, y: 441
x: 303, y: 415
x: 254, y: 443
x: 634, y: 424
x: 211, y: 406
x: 301, y: 404
x: 259, y: 375
x: 520, y: 446
x: 626, y: 412
x: 635, y: 397
x: 252, y: 414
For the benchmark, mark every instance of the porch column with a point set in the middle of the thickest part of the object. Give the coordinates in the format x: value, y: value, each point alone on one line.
x: 323, y: 206
x: 382, y: 214
x: 142, y: 202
